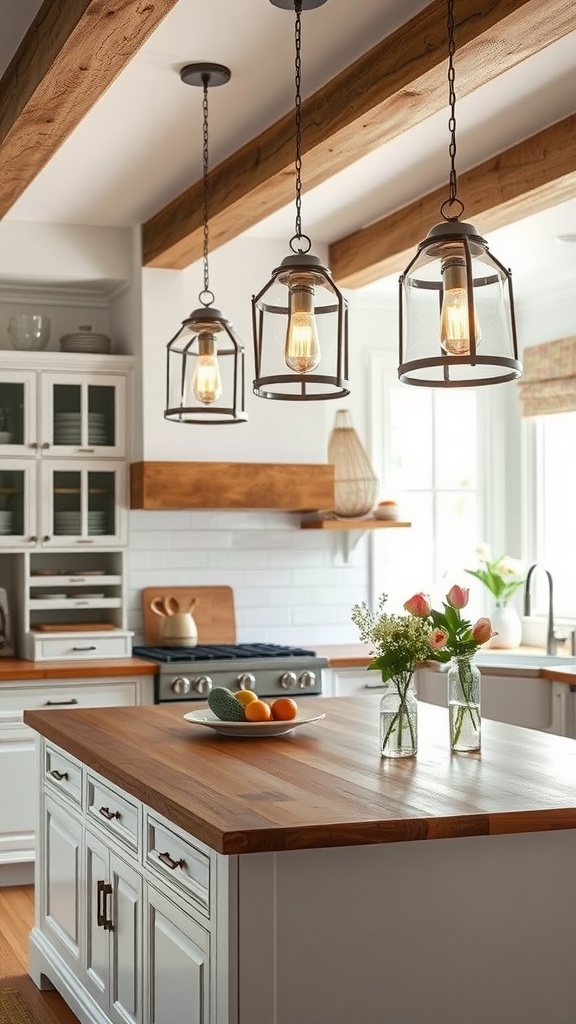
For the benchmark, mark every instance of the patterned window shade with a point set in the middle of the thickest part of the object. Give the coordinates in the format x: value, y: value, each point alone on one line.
x: 549, y: 381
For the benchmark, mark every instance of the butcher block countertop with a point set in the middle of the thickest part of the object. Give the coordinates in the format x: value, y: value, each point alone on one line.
x: 18, y: 669
x: 325, y: 784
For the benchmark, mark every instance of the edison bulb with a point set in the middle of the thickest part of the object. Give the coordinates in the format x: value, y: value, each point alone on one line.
x: 454, y: 326
x: 302, y: 347
x: 207, y: 382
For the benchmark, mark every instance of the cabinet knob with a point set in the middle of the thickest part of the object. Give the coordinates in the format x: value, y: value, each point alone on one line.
x: 33, y: 444
x: 45, y: 444
x: 33, y: 540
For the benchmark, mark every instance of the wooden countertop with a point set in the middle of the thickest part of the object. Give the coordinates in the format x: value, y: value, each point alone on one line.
x: 18, y: 669
x: 326, y: 784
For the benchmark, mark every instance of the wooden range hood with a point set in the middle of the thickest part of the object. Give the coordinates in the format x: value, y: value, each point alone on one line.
x: 232, y: 485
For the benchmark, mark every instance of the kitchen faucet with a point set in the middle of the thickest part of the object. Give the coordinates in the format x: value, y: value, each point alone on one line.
x: 551, y: 639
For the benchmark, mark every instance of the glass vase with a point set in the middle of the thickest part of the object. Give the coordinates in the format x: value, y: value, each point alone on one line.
x: 399, y: 717
x: 464, y: 704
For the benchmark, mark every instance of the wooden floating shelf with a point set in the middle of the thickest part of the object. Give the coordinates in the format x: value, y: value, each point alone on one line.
x: 231, y: 485
x: 351, y: 524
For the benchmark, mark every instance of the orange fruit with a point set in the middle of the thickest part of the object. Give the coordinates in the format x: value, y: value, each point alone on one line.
x: 258, y: 711
x: 245, y: 696
x: 283, y: 709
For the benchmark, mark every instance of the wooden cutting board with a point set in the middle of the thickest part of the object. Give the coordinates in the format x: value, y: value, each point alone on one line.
x: 73, y: 627
x: 213, y: 613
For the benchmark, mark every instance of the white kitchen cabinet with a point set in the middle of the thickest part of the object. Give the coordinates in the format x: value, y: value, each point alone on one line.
x: 113, y: 962
x: 178, y: 969
x: 63, y: 445
x: 60, y: 892
x: 138, y: 942
x: 343, y: 682
x: 525, y: 700
x: 18, y: 756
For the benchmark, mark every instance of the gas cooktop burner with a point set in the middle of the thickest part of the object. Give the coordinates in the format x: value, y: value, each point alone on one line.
x: 221, y: 652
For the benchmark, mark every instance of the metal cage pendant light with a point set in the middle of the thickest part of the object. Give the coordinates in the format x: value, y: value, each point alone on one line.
x: 205, y: 372
x: 300, y: 318
x: 457, y: 326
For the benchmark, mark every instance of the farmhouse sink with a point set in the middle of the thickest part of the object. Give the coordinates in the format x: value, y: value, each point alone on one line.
x: 519, y: 659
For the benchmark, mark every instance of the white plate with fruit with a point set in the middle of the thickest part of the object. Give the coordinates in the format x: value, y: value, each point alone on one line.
x: 244, y: 714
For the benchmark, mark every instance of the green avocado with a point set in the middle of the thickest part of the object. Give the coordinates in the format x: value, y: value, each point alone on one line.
x: 225, y: 706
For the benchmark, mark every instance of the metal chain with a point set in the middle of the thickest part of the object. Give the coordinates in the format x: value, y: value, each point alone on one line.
x: 453, y: 197
x: 299, y: 243
x: 298, y: 116
x: 205, y: 81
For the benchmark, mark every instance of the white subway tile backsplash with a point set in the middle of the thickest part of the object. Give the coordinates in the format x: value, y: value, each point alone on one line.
x: 289, y: 586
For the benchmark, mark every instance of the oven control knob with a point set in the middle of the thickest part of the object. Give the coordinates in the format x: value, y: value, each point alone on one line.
x: 288, y: 680
x: 307, y: 679
x: 202, y: 684
x: 181, y: 685
x: 246, y: 681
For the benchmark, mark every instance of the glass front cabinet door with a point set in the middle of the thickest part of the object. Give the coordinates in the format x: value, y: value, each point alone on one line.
x: 18, y: 421
x: 83, y: 417
x: 18, y: 503
x: 83, y: 506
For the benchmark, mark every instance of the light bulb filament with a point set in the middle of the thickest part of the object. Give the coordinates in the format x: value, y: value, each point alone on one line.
x: 302, y: 347
x: 454, y: 324
x: 206, y: 382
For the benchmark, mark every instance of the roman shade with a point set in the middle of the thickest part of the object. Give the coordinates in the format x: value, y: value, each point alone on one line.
x: 549, y: 381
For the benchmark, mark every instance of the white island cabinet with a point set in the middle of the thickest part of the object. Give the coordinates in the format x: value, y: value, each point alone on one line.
x: 187, y: 878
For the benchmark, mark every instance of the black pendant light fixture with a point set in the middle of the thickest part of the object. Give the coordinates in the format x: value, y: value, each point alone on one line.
x: 205, y: 371
x: 300, y: 318
x: 457, y: 326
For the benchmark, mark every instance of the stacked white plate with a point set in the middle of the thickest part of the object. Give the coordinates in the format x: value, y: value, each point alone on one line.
x: 68, y: 428
x: 71, y: 523
x: 85, y: 340
x: 6, y: 517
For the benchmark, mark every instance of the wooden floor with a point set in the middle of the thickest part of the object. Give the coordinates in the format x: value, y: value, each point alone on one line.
x: 16, y: 920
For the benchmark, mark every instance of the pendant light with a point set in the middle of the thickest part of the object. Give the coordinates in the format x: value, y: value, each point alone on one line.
x: 457, y: 326
x: 300, y: 318
x: 205, y: 372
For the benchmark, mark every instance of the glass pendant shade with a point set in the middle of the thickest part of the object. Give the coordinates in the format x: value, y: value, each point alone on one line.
x: 456, y: 306
x: 300, y: 327
x: 205, y: 371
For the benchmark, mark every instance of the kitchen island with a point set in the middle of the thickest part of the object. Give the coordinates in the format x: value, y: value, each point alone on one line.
x: 187, y: 877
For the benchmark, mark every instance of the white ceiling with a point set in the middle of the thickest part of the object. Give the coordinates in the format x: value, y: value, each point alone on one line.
x: 140, y: 146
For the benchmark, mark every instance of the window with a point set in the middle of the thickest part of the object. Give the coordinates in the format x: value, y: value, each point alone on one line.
x: 550, y: 500
x: 426, y: 453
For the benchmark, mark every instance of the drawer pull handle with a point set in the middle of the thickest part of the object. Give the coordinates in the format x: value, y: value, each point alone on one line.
x: 172, y: 864
x: 107, y: 813
x: 58, y: 775
x: 104, y: 890
x: 92, y: 648
x: 59, y: 703
x: 84, y: 540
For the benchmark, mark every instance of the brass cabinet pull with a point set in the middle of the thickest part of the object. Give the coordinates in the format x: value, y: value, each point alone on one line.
x: 107, y: 813
x: 58, y: 775
x: 59, y: 703
x: 167, y: 859
x: 104, y: 889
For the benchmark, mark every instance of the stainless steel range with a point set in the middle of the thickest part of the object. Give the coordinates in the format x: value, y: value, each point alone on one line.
x: 189, y: 673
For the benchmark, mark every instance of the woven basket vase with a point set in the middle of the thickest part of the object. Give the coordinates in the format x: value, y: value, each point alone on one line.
x: 355, y: 482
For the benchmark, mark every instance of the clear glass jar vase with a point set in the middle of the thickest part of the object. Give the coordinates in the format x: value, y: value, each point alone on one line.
x: 399, y: 717
x: 464, y: 704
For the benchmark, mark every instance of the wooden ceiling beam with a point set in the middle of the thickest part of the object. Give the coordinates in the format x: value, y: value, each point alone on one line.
x: 393, y: 87
x: 72, y: 52
x: 534, y: 175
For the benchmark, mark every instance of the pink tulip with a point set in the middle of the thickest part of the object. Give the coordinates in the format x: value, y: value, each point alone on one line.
x: 419, y: 605
x: 437, y: 639
x: 457, y: 597
x: 482, y: 631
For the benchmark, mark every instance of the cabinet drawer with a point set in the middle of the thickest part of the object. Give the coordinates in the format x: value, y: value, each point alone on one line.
x: 81, y: 693
x: 63, y: 775
x: 114, y: 812
x: 78, y: 647
x: 180, y: 862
